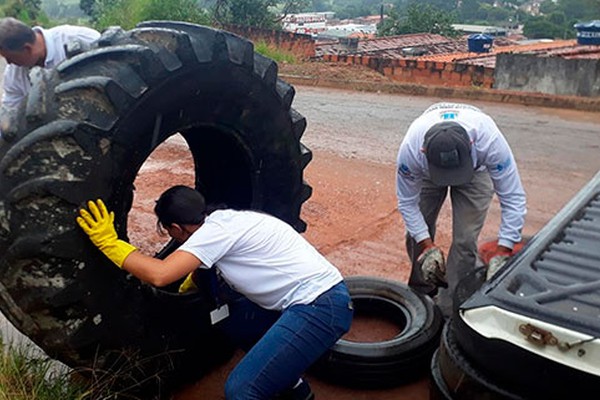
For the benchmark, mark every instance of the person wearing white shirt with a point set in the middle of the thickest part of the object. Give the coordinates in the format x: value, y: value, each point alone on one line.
x: 24, y: 47
x: 294, y: 304
x: 455, y: 148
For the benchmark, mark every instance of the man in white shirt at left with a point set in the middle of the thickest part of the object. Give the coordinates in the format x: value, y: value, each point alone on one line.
x: 24, y: 47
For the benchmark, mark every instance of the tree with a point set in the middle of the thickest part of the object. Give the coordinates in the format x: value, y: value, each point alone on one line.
x: 319, y: 5
x: 548, y: 6
x: 468, y: 10
x: 499, y: 15
x: 259, y: 13
x: 127, y: 13
x: 60, y: 10
x: 580, y: 9
x: 28, y: 11
x: 419, y: 18
x: 539, y: 28
x: 557, y: 18
x: 87, y: 6
x: 442, y: 5
x: 175, y: 10
x: 390, y: 25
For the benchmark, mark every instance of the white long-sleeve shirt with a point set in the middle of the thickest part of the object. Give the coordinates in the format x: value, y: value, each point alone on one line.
x: 489, y: 151
x: 16, y: 78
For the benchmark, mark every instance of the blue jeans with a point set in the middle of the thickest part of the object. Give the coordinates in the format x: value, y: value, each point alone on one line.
x: 288, y: 342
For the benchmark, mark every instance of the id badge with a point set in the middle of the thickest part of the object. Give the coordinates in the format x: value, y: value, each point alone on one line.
x: 219, y: 314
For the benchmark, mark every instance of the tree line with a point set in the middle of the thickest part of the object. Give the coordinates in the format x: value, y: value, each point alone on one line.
x: 401, y: 16
x: 556, y: 19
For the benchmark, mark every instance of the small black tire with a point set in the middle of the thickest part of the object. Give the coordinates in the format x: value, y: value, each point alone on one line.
x: 393, y: 362
x: 85, y: 131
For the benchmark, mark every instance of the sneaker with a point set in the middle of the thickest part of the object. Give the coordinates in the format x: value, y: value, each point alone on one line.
x: 300, y: 392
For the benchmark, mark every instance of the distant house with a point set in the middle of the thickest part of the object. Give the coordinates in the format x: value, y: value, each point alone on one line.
x: 349, y: 31
x: 486, y: 29
x: 307, y: 23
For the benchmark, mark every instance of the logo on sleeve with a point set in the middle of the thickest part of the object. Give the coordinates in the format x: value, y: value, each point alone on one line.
x: 503, y: 166
x: 405, y: 171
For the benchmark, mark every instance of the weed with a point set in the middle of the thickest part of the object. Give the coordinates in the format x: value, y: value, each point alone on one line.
x: 272, y: 52
x: 25, y: 376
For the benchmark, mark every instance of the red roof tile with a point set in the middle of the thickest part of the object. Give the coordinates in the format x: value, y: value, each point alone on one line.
x: 443, y: 49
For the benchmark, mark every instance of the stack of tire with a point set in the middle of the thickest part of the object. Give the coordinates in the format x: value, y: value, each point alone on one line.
x: 83, y: 133
x: 542, y: 342
x: 455, y: 373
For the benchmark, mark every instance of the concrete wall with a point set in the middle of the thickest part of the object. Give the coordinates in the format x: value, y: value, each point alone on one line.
x: 422, y: 72
x: 550, y: 75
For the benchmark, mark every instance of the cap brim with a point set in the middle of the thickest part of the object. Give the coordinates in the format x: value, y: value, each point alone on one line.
x: 451, y: 176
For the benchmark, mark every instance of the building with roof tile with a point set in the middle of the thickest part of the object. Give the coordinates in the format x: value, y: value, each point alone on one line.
x: 433, y: 59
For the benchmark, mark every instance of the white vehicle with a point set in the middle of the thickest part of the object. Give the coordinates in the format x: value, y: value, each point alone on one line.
x: 533, y: 330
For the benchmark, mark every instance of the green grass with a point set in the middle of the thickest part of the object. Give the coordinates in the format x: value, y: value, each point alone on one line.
x: 24, y: 376
x: 274, y: 53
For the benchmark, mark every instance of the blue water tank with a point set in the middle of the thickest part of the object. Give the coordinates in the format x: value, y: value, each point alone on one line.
x: 480, y: 43
x: 588, y: 32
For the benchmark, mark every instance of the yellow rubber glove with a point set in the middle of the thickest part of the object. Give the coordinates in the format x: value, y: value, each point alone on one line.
x: 98, y: 224
x: 188, y: 285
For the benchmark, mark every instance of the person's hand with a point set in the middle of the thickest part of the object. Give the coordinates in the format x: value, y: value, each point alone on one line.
x: 495, y: 264
x: 98, y: 224
x: 497, y: 260
x: 188, y: 285
x: 433, y: 266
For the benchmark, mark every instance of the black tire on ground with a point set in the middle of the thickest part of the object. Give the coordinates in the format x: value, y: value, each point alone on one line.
x: 388, y: 363
x: 86, y: 130
x: 461, y: 379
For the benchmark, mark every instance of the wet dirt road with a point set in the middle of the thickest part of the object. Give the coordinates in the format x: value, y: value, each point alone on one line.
x: 352, y: 217
x: 556, y: 151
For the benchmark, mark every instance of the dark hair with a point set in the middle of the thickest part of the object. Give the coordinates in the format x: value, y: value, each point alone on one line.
x: 180, y: 205
x: 14, y: 34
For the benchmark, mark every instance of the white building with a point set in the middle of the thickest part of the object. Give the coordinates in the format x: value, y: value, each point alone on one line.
x: 307, y: 23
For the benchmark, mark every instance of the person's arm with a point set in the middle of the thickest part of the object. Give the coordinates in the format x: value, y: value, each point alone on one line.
x: 408, y: 187
x: 503, y: 170
x: 98, y: 224
x: 15, y: 87
x: 161, y: 272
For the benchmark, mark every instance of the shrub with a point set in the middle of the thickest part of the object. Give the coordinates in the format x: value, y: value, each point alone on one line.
x: 127, y: 13
x: 278, y: 55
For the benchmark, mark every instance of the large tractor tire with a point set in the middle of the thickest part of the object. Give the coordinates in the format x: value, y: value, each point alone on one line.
x: 85, y: 130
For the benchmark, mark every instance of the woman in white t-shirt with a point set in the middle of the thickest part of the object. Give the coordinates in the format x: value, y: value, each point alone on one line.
x: 299, y: 302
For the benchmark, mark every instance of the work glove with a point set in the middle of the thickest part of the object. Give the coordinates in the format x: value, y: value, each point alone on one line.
x: 188, y: 285
x: 98, y: 224
x: 433, y: 267
x: 495, y: 263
